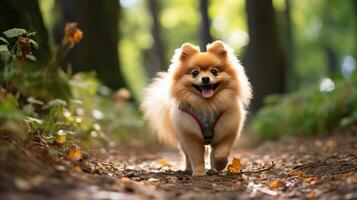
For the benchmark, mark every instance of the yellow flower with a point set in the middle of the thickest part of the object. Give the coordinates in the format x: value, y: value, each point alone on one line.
x: 61, y: 137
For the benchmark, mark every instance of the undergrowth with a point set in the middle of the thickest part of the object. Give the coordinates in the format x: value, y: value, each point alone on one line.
x: 60, y: 107
x: 309, y: 111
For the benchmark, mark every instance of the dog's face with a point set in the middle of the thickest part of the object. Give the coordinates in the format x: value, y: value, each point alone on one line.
x: 204, y: 77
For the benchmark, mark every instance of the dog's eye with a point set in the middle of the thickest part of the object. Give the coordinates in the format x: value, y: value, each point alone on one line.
x: 215, y: 71
x: 194, y: 73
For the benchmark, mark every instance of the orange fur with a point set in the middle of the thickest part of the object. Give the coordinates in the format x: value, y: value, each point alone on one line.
x: 231, y: 97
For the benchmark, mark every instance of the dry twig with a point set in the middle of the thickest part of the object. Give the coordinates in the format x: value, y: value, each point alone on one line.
x: 315, y: 164
x: 260, y: 170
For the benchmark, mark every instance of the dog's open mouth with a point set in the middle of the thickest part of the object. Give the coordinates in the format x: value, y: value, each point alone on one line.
x: 206, y: 91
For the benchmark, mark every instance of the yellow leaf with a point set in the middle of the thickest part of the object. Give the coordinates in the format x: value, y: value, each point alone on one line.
x: 127, y: 185
x: 310, y: 195
x: 163, y: 162
x: 77, y: 168
x: 235, y: 166
x: 311, y: 179
x: 124, y: 180
x: 74, y: 154
x: 278, y: 184
x: 297, y: 174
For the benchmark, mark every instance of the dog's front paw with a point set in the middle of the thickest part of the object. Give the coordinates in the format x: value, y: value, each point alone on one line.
x: 219, y: 163
x: 199, y: 171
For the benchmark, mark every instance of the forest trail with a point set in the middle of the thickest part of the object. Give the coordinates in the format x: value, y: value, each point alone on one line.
x: 318, y: 167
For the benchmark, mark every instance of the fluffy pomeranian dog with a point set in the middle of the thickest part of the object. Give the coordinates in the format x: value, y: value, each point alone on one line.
x: 201, y: 100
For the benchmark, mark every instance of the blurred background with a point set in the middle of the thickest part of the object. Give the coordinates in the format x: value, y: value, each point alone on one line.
x: 72, y: 74
x: 303, y: 48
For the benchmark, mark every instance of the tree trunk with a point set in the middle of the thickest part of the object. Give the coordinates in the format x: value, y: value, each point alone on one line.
x: 292, y: 81
x: 156, y: 60
x: 264, y: 58
x: 332, y: 60
x: 98, y: 50
x: 205, y: 36
x: 354, y: 2
x: 27, y: 15
x: 327, y: 45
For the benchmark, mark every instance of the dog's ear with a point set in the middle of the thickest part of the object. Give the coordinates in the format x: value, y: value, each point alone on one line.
x: 218, y: 48
x: 187, y: 50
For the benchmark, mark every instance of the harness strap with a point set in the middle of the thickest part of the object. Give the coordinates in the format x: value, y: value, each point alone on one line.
x: 207, y: 123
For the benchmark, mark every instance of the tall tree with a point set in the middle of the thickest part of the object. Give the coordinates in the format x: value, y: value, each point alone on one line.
x: 156, y: 56
x: 264, y: 58
x: 327, y: 43
x: 354, y: 2
x: 332, y: 59
x: 26, y: 14
x: 292, y: 81
x: 99, y: 48
x: 205, y: 36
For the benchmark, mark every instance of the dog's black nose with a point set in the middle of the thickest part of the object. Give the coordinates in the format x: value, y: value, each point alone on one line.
x: 205, y: 80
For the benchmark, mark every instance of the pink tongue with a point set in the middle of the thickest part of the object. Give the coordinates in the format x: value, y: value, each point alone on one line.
x: 206, y: 93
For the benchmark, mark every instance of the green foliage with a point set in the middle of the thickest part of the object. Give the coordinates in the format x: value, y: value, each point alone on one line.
x: 21, y: 113
x: 229, y: 23
x: 4, y: 48
x: 37, y: 101
x: 26, y: 77
x: 317, y: 25
x: 56, y: 103
x: 33, y: 43
x: 3, y: 40
x: 32, y: 100
x: 90, y: 115
x: 15, y: 32
x: 16, y: 49
x: 9, y: 108
x: 98, y: 114
x: 308, y: 111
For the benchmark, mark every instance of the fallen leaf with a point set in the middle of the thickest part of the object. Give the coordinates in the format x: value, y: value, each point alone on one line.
x: 312, y: 179
x: 298, y: 174
x: 77, y: 168
x: 127, y: 185
x: 163, y: 162
x: 235, y: 166
x: 310, y: 195
x: 347, y: 174
x: 74, y: 154
x: 124, y: 180
x: 278, y: 184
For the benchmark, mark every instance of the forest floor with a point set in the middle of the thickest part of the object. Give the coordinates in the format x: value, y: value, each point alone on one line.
x: 301, y: 168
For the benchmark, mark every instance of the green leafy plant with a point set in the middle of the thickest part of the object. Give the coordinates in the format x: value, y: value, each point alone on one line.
x: 308, y: 111
x: 15, y: 50
x: 23, y: 75
x: 56, y: 105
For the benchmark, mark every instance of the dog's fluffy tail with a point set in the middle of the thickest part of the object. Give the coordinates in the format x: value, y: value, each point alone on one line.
x: 156, y: 107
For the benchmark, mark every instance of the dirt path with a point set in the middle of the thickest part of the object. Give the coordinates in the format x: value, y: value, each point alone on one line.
x: 322, y: 168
